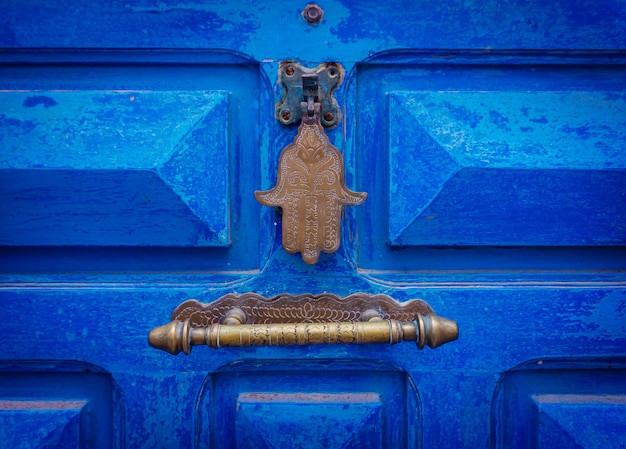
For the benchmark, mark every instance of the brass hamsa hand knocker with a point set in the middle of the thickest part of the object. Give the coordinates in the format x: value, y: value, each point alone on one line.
x: 310, y: 187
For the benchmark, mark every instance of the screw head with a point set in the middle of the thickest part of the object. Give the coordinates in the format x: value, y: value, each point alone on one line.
x: 286, y: 115
x: 313, y: 14
x: 328, y: 116
x: 289, y: 71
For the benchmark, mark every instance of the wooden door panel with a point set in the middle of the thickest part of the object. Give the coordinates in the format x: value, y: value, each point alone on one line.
x: 58, y: 405
x: 506, y: 168
x: 561, y: 404
x: 114, y: 168
x: 574, y: 420
x: 309, y: 404
x: 488, y: 153
x: 304, y: 420
x: 112, y: 153
x: 44, y: 424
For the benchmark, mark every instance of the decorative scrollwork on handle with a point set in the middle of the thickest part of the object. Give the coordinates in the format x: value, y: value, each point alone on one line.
x: 304, y: 308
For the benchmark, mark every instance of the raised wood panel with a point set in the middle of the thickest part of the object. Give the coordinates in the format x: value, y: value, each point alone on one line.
x: 307, y: 420
x: 49, y: 405
x: 507, y: 168
x: 309, y: 404
x: 556, y: 404
x: 580, y: 420
x: 41, y: 424
x: 505, y: 160
x: 113, y: 168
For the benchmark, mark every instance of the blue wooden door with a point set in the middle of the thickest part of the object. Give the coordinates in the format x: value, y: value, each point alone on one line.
x: 490, y: 137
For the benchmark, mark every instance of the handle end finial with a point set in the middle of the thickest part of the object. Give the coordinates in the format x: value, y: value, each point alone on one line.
x: 435, y: 331
x: 172, y: 337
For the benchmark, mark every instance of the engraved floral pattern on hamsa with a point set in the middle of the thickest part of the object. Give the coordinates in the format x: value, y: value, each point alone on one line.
x: 311, y: 191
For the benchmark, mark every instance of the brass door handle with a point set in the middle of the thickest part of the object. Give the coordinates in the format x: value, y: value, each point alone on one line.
x: 177, y: 336
x: 252, y: 320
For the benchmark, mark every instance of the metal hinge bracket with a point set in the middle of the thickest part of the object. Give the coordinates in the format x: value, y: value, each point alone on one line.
x: 309, y: 85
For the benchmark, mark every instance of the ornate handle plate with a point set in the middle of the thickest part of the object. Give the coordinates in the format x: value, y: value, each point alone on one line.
x: 253, y: 320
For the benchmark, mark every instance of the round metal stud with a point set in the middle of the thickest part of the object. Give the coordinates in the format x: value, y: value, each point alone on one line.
x: 313, y: 14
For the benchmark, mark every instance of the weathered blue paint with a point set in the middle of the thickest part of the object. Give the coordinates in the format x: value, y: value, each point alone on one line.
x: 136, y: 187
x: 58, y: 405
x: 488, y: 134
x: 499, y: 130
x: 565, y: 405
x: 345, y: 404
x: 472, y: 155
x: 349, y: 30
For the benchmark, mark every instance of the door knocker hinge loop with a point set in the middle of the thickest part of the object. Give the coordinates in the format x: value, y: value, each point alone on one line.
x: 297, y: 82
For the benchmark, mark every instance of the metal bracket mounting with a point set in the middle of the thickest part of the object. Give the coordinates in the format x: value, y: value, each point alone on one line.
x: 317, y: 84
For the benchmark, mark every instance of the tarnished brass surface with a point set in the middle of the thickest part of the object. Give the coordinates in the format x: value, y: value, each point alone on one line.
x: 311, y: 191
x: 434, y: 331
x: 373, y: 321
x: 177, y: 336
x: 310, y: 187
x: 304, y: 308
